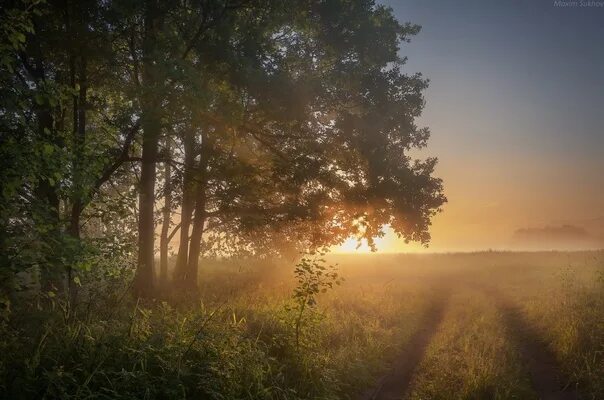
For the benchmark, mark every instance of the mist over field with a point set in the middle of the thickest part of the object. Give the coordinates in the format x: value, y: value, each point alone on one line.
x: 301, y: 199
x: 565, y: 237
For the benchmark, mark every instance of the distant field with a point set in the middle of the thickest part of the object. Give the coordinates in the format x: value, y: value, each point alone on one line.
x: 452, y: 326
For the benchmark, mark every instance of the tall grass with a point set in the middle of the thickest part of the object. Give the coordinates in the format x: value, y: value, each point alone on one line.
x: 237, y: 340
x: 234, y: 343
x: 570, y: 316
x: 470, y: 356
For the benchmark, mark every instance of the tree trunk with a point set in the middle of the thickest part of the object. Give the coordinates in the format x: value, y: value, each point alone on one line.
x: 151, y: 125
x: 48, y: 209
x: 46, y: 191
x: 166, y: 214
x: 200, y: 215
x: 79, y: 137
x: 196, y: 235
x: 144, y: 279
x: 186, y: 209
x: 78, y: 156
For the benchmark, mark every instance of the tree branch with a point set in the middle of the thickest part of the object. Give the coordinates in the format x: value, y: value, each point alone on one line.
x: 119, y: 160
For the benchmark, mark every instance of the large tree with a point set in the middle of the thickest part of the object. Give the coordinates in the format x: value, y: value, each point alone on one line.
x: 67, y: 130
x: 278, y: 125
x: 302, y: 129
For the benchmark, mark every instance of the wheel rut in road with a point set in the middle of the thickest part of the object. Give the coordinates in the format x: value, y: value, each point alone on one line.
x: 395, y: 385
x: 546, y: 373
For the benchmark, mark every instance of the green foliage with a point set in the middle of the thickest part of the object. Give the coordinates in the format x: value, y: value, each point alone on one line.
x: 290, y: 125
x: 313, y: 276
x: 111, y: 346
x: 15, y: 24
x: 44, y: 170
x: 138, y: 352
x: 239, y: 341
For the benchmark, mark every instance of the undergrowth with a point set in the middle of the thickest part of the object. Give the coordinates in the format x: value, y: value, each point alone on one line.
x: 254, y: 344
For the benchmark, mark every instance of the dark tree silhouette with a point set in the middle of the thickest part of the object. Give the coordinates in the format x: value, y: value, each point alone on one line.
x: 279, y: 125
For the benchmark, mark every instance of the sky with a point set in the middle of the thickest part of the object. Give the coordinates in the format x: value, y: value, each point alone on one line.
x: 516, y: 110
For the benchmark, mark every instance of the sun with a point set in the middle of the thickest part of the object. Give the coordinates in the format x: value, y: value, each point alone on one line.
x: 389, y: 243
x: 351, y: 245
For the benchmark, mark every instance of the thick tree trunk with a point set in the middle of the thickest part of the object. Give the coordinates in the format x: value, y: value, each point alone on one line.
x: 200, y: 214
x: 144, y: 279
x: 186, y: 209
x: 196, y: 236
x: 151, y: 125
x: 166, y: 216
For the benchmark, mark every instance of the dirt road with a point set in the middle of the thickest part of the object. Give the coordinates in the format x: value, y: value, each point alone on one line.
x: 547, y: 377
x: 396, y: 384
x: 546, y: 374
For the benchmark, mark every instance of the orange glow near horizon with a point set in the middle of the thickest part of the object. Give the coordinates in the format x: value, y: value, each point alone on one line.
x: 389, y: 243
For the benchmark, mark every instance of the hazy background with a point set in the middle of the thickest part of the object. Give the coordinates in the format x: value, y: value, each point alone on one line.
x: 516, y: 110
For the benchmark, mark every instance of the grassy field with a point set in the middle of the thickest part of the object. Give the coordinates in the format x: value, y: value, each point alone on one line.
x: 470, y: 356
x: 509, y: 326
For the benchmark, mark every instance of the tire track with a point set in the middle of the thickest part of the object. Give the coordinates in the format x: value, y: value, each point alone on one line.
x: 546, y: 373
x: 395, y: 385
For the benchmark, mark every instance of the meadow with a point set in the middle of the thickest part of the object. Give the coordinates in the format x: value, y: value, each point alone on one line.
x: 484, y: 325
x: 171, y: 171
